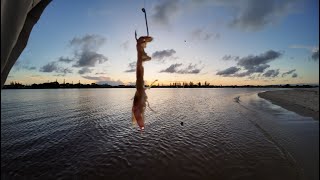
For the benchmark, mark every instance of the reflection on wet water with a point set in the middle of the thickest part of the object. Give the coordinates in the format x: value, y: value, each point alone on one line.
x: 88, y: 133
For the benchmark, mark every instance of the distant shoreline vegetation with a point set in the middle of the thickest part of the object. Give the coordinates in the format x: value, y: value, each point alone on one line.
x: 56, y: 85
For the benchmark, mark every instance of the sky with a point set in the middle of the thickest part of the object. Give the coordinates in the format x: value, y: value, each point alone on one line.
x: 222, y: 42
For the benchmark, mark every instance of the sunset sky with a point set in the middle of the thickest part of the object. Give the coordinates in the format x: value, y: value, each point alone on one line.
x: 219, y: 41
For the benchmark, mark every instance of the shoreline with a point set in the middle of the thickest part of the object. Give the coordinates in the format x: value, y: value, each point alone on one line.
x: 301, y: 101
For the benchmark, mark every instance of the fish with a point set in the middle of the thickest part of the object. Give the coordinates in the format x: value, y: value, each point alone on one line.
x: 140, y: 98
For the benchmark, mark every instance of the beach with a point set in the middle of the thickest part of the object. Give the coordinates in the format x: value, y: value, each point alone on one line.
x: 304, y: 102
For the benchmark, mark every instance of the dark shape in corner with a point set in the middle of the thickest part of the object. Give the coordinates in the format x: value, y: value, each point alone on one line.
x: 237, y: 99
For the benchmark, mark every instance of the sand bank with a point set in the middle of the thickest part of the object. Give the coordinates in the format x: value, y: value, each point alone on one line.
x: 302, y: 101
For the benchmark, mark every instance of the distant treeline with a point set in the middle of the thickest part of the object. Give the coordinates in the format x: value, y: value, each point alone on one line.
x: 56, y: 85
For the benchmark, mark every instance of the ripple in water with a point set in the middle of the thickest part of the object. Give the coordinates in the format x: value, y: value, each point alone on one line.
x: 87, y: 133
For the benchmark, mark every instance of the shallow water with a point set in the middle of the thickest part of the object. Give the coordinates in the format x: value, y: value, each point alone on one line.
x: 87, y: 133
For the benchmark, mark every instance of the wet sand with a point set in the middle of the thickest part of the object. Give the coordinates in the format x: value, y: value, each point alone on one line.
x: 304, y: 102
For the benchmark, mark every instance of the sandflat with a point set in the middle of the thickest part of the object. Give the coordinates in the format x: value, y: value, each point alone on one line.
x: 304, y: 102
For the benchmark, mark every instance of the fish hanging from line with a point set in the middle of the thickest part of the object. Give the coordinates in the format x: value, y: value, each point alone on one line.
x: 140, y: 98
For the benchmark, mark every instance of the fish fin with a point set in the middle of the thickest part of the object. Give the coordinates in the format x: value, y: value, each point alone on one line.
x: 134, y: 121
x: 150, y: 107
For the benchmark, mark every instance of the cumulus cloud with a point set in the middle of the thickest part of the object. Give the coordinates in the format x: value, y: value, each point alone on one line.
x: 229, y: 71
x: 90, y: 42
x: 230, y: 57
x: 190, y: 69
x: 164, y: 11
x: 252, y: 70
x: 65, y: 60
x: 250, y: 64
x: 84, y: 56
x: 297, y: 46
x: 313, y: 49
x: 258, y: 69
x: 89, y: 59
x: 175, y: 68
x: 64, y: 70
x: 251, y: 61
x: 289, y: 72
x: 104, y: 80
x: 132, y: 67
x: 271, y: 73
x: 23, y: 65
x: 200, y: 34
x: 125, y: 45
x: 54, y: 67
x: 162, y: 55
x: 247, y: 15
x: 50, y: 67
x: 99, y: 73
x: 85, y: 50
x: 85, y: 70
x: 254, y: 15
x: 315, y: 55
x: 257, y: 64
x: 172, y: 68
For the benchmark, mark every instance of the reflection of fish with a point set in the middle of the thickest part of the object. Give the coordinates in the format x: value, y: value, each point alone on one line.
x: 140, y: 97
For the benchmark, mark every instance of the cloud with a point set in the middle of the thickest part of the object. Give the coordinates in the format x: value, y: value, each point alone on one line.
x: 249, y: 15
x: 161, y: 55
x: 125, y: 45
x: 174, y: 68
x: 85, y: 50
x: 252, y: 70
x: 90, y: 42
x: 200, y: 34
x: 85, y: 56
x: 271, y: 73
x: 100, y: 73
x: 315, y: 55
x: 289, y: 72
x: 65, y: 60
x: 23, y: 65
x: 50, y: 67
x: 53, y: 67
x: 85, y: 70
x: 230, y: 57
x: 64, y: 70
x: 132, y: 67
x: 164, y: 11
x: 104, y: 80
x: 295, y: 46
x: 250, y: 64
x: 313, y: 49
x: 294, y: 75
x: 191, y: 69
x: 89, y: 59
x: 254, y: 15
x: 229, y: 71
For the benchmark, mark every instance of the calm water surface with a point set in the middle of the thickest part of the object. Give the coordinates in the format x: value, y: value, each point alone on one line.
x: 88, y: 133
